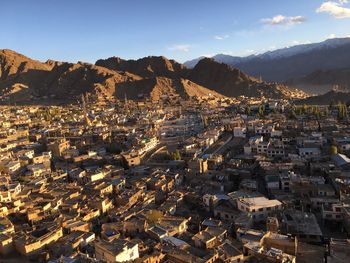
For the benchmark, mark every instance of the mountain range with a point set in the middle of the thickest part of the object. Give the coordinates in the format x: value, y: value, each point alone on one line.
x: 23, y: 79
x: 311, y: 67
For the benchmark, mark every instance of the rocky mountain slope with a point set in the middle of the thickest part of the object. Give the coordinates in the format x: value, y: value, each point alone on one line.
x: 13, y: 65
x: 161, y: 86
x: 148, y: 67
x: 325, y: 99
x: 232, y: 82
x: 23, y: 79
x: 294, y: 62
x: 323, y: 81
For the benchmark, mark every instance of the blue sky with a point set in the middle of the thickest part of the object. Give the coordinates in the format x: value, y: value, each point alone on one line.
x: 86, y: 30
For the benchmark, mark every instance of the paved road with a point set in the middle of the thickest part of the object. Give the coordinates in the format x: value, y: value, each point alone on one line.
x: 219, y: 145
x: 150, y: 154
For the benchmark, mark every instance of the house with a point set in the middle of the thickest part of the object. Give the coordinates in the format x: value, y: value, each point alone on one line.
x: 116, y: 251
x: 272, y: 182
x: 205, y: 239
x: 132, y: 158
x: 10, y: 167
x: 38, y: 169
x: 258, y: 207
x: 239, y: 132
x: 339, y: 250
x: 301, y: 224
x: 58, y: 147
x: 6, y: 244
x: 229, y: 253
x: 6, y: 226
x: 175, y: 242
x: 226, y: 210
x: 174, y: 225
x: 198, y: 165
x: 256, y: 145
x: 29, y: 243
x: 309, y: 152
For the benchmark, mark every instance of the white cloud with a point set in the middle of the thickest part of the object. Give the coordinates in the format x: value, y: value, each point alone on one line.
x: 335, y: 9
x: 182, y: 48
x: 283, y: 20
x: 223, y: 37
x: 331, y: 36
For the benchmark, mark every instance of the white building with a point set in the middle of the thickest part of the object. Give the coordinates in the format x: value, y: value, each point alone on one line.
x: 117, y: 251
x: 264, y: 129
x: 309, y: 152
x: 258, y: 207
x: 239, y: 132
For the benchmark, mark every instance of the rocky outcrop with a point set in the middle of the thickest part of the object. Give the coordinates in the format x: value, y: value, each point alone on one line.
x: 24, y: 79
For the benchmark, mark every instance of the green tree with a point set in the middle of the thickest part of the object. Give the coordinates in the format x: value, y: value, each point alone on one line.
x: 298, y: 110
x: 153, y: 216
x: 261, y: 110
x: 248, y: 110
x: 342, y: 111
x: 305, y: 109
x: 334, y: 150
x: 326, y: 111
x: 316, y: 111
x: 176, y: 155
x: 293, y: 115
x: 205, y: 121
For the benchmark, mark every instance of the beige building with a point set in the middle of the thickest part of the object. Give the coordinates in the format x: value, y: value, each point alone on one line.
x: 258, y: 207
x: 6, y: 244
x: 27, y: 244
x: 116, y: 251
x: 58, y: 147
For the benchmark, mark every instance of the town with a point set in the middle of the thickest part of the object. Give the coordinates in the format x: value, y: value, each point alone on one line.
x: 197, y: 180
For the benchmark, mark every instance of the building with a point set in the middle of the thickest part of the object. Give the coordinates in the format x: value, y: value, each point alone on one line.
x: 116, y: 251
x: 258, y: 207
